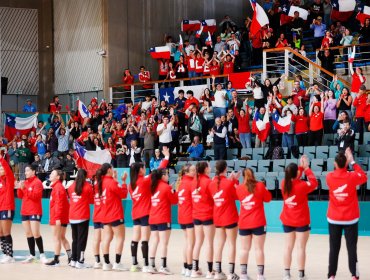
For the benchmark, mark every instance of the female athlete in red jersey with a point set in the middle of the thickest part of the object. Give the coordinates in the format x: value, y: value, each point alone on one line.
x: 59, y: 208
x: 81, y: 196
x: 295, y: 215
x: 30, y: 191
x: 252, y: 221
x: 112, y: 216
x: 141, y: 202
x: 184, y: 185
x: 98, y: 228
x: 203, y: 220
x: 7, y: 207
x: 225, y: 216
x: 160, y: 217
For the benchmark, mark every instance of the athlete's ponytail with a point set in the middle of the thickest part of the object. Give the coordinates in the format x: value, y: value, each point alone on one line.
x: 220, y: 166
x: 80, y: 180
x: 156, y: 176
x: 102, y: 171
x: 134, y: 173
x: 291, y: 172
x: 183, y: 171
x: 249, y: 180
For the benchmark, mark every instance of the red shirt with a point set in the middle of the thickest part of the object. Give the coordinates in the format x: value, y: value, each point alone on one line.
x: 316, y: 121
x: 191, y: 63
x: 160, y: 210
x: 214, y: 70
x: 343, y: 201
x: 295, y: 96
x: 145, y: 77
x: 31, y: 143
x: 202, y: 199
x: 228, y: 67
x: 97, y: 216
x: 59, y: 205
x: 356, y: 82
x: 367, y: 113
x: 31, y: 197
x: 199, y: 65
x: 141, y: 196
x: 252, y: 213
x: 185, y: 210
x: 360, y: 104
x: 6, y: 187
x: 224, y: 196
x: 301, y: 123
x: 53, y: 108
x: 79, y: 208
x: 190, y: 101
x: 163, y: 68
x: 128, y: 80
x: 111, y: 200
x: 295, y: 211
x: 243, y: 122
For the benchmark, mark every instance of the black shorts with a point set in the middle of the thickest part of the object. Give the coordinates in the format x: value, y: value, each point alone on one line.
x: 160, y: 227
x: 7, y: 215
x: 185, y: 226
x: 288, y: 229
x: 64, y: 225
x: 204, y: 223
x: 36, y: 218
x: 98, y: 226
x: 115, y: 223
x: 254, y: 231
x: 228, y: 226
x: 143, y: 221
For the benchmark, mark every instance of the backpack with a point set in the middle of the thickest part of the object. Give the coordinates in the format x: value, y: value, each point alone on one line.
x: 277, y: 153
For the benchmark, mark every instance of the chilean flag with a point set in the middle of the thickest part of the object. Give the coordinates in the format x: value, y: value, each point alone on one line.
x: 260, y: 18
x: 342, y: 9
x: 17, y: 125
x: 199, y: 32
x: 181, y: 43
x: 209, y: 25
x: 281, y: 124
x: 83, y: 112
x: 91, y: 161
x: 261, y: 127
x: 160, y: 52
x: 287, y: 13
x: 209, y: 40
x: 190, y: 25
x: 363, y: 14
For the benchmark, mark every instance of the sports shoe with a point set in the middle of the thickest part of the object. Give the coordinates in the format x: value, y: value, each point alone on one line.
x: 244, y: 276
x: 53, y: 263
x: 210, y: 275
x: 220, y: 276
x: 119, y: 267
x: 355, y: 278
x: 145, y: 269
x: 98, y: 265
x: 72, y: 263
x: 183, y: 271
x: 82, y: 265
x: 29, y: 259
x: 43, y: 259
x: 260, y: 277
x: 7, y: 259
x: 107, y: 266
x: 287, y: 277
x: 302, y: 278
x: 152, y: 270
x: 135, y: 268
x: 331, y: 278
x: 196, y: 274
x: 233, y: 276
x: 165, y: 270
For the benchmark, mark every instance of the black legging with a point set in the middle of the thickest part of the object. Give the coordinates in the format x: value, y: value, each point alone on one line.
x: 80, y: 233
x: 315, y: 137
x: 328, y: 126
x: 302, y: 139
x: 335, y: 237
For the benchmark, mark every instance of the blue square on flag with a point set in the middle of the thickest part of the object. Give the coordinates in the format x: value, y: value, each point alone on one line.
x: 10, y: 120
x: 167, y: 94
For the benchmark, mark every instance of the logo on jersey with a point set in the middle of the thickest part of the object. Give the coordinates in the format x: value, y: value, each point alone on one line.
x: 217, y: 198
x: 30, y: 189
x: 181, y: 197
x: 247, y: 203
x: 104, y: 197
x: 135, y: 194
x: 290, y: 201
x: 1, y: 185
x: 340, y: 194
x: 97, y: 200
x: 196, y: 195
x: 155, y: 199
x: 75, y: 197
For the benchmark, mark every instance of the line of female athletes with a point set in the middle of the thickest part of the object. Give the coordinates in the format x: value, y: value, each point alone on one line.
x: 206, y: 211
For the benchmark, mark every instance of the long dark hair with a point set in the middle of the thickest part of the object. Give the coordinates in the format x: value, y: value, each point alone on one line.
x: 220, y: 166
x: 102, y: 171
x: 156, y: 176
x: 60, y: 173
x: 201, y: 169
x: 291, y: 172
x: 249, y: 180
x: 33, y: 167
x: 80, y: 180
x: 134, y: 173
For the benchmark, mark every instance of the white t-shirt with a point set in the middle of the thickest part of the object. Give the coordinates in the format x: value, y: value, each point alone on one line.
x: 220, y: 101
x: 146, y: 105
x: 166, y: 136
x: 257, y: 93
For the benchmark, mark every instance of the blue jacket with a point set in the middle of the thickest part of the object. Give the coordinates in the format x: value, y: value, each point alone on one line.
x: 154, y: 163
x: 196, y: 152
x: 29, y: 108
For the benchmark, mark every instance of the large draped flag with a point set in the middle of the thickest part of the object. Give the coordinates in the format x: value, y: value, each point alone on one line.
x: 287, y: 12
x: 342, y: 9
x: 160, y: 52
x: 261, y: 127
x: 239, y: 80
x: 260, y: 18
x: 363, y: 14
x: 281, y: 124
x: 91, y: 161
x: 190, y: 25
x: 19, y: 126
x: 170, y: 94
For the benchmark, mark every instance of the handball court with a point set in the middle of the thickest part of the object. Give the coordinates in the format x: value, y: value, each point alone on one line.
x: 316, y: 265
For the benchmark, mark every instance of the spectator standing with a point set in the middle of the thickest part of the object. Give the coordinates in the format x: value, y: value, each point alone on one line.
x: 330, y: 111
x: 346, y: 137
x: 301, y: 127
x: 346, y: 40
x: 219, y: 105
x: 144, y: 76
x: 219, y: 133
x: 319, y: 31
x: 164, y: 131
x: 127, y: 79
x: 55, y: 106
x: 29, y: 107
x: 316, y: 123
x: 360, y: 103
x: 327, y: 62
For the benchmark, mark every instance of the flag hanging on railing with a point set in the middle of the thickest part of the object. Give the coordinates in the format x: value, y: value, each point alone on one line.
x: 19, y: 126
x: 342, y: 9
x: 260, y: 18
x: 363, y: 14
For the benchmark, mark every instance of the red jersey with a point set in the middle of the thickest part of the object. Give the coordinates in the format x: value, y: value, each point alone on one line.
x: 163, y: 67
x: 224, y: 196
x: 55, y: 107
x: 191, y: 63
x: 185, y: 210
x: 6, y: 187
x: 31, y: 197
x: 202, y: 199
x: 190, y: 101
x: 59, y: 205
x: 145, y: 77
x: 316, y: 121
x: 199, y: 65
x: 129, y: 80
x: 295, y: 210
x: 301, y: 123
x: 141, y: 195
x: 343, y: 201
x: 243, y: 122
x: 31, y: 144
x: 97, y: 216
x: 367, y: 113
x: 79, y: 208
x: 299, y: 93
x: 360, y: 104
x: 228, y: 67
x: 111, y: 200
x: 214, y: 70
x: 160, y: 210
x: 252, y: 213
x: 356, y: 82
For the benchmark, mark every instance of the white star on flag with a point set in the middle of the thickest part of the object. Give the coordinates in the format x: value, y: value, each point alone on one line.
x: 166, y: 97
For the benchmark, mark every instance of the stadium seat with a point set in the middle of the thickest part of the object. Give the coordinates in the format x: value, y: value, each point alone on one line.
x: 328, y: 139
x: 179, y: 165
x: 272, y: 174
x: 310, y: 151
x: 247, y: 152
x: 278, y: 165
x: 212, y: 164
x: 330, y: 164
x: 367, y: 138
x: 260, y: 176
x: 240, y: 164
x: 252, y: 164
x: 317, y: 164
x: 322, y: 152
x: 364, y: 150
x: 192, y: 162
x: 264, y: 165
x: 210, y: 153
x: 258, y: 153
x: 363, y: 162
x: 292, y: 160
x: 333, y: 150
x: 232, y: 154
x: 231, y: 165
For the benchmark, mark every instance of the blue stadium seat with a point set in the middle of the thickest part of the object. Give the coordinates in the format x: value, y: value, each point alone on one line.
x: 258, y: 153
x: 252, y: 164
x: 333, y: 150
x: 367, y: 138
x: 310, y: 151
x: 292, y: 160
x: 232, y: 154
x: 210, y: 153
x: 317, y: 164
x: 231, y: 165
x: 240, y: 164
x: 278, y: 165
x: 328, y: 139
x: 247, y: 152
x: 330, y: 164
x: 322, y: 152
x: 264, y: 165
